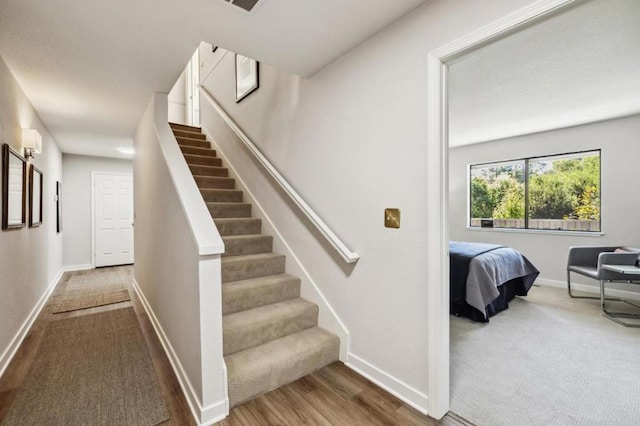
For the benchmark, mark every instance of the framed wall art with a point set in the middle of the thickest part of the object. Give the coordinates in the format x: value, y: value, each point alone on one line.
x: 35, y: 196
x: 58, y: 206
x: 247, y: 79
x: 14, y: 185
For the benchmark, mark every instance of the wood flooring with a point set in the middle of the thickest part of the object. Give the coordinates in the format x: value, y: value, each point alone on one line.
x: 334, y: 395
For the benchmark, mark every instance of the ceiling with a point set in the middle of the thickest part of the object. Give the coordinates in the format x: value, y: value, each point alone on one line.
x: 89, y: 67
x: 579, y: 66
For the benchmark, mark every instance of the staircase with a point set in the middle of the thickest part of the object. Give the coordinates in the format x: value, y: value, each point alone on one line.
x: 271, y: 335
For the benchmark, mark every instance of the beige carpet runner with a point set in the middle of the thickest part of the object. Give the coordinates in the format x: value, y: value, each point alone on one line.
x: 270, y: 334
x: 87, y: 290
x: 91, y: 370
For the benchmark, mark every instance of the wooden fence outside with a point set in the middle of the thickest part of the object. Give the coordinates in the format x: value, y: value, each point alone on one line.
x: 548, y: 224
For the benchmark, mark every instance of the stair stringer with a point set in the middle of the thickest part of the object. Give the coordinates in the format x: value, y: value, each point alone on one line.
x: 309, y: 290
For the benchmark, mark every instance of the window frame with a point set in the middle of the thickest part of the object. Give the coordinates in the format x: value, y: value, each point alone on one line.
x: 526, y: 161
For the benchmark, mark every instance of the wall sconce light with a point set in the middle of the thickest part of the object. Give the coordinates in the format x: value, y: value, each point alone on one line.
x: 31, y: 142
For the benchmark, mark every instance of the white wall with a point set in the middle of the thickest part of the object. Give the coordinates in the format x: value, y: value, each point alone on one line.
x: 177, y: 268
x: 178, y: 100
x: 620, y: 214
x: 76, y: 213
x: 351, y: 139
x: 30, y: 258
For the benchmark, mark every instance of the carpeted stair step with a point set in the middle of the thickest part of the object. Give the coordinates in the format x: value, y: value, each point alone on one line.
x: 201, y: 170
x: 235, y: 268
x: 255, y: 292
x: 247, y: 329
x: 229, y: 209
x: 185, y: 128
x: 270, y: 334
x: 219, y: 182
x: 190, y: 135
x: 237, y: 245
x: 182, y: 141
x: 209, y: 152
x: 221, y: 195
x: 238, y: 226
x: 202, y: 160
x: 263, y: 368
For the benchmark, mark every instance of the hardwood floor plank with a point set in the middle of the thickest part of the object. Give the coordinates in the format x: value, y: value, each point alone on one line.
x: 6, y: 398
x: 294, y: 408
x: 303, y: 385
x: 340, y: 384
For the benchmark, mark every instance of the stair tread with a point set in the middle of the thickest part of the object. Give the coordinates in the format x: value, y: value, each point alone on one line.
x: 203, y: 161
x: 185, y: 125
x: 229, y: 226
x: 254, y: 292
x: 241, y: 363
x: 227, y: 203
x: 211, y: 167
x: 186, y: 138
x: 187, y: 134
x: 220, y: 190
x: 198, y: 150
x: 221, y: 178
x: 273, y: 311
x: 248, y: 257
x: 186, y: 155
x: 251, y: 282
x: 266, y: 367
x: 259, y: 325
x: 246, y: 237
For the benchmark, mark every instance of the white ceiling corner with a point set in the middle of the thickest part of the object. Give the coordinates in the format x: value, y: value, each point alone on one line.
x: 89, y: 67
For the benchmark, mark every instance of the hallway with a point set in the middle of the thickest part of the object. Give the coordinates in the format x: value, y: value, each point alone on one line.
x: 19, y: 372
x: 334, y: 395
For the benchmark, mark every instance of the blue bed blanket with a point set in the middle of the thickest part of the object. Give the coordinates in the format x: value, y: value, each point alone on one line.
x: 460, y: 255
x: 484, y: 278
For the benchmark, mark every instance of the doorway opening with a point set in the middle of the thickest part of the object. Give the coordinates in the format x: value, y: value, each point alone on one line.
x: 438, y: 191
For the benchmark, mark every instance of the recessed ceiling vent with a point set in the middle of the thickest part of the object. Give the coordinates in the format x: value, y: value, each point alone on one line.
x: 247, y: 5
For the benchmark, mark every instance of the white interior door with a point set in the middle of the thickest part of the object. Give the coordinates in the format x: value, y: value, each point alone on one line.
x: 113, y: 219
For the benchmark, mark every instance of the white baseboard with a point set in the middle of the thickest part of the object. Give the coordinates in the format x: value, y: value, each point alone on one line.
x: 71, y: 268
x: 396, y: 387
x: 595, y: 289
x: 202, y: 415
x: 17, y: 340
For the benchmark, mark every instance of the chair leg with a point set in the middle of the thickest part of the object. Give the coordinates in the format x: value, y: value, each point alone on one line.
x: 569, y: 289
x: 614, y: 316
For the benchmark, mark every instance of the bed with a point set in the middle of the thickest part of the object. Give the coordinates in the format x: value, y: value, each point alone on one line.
x: 485, y: 277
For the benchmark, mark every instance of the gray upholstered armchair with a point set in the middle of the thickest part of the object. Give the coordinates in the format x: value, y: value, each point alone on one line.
x: 589, y: 261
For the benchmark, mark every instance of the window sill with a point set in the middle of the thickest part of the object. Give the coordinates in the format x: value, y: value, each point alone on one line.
x: 537, y: 231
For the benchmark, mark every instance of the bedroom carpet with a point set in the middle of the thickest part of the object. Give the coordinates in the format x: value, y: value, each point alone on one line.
x: 98, y: 287
x: 92, y: 370
x: 547, y: 360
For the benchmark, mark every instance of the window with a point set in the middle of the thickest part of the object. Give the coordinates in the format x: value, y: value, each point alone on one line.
x: 556, y: 192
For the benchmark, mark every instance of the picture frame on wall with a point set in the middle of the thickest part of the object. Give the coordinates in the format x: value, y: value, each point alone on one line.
x: 58, y: 206
x: 36, y: 179
x: 14, y: 188
x: 247, y: 76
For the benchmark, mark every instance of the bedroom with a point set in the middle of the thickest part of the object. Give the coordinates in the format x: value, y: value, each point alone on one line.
x: 566, y: 84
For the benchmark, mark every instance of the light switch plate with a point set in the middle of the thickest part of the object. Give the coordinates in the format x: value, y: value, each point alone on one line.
x: 392, y: 218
